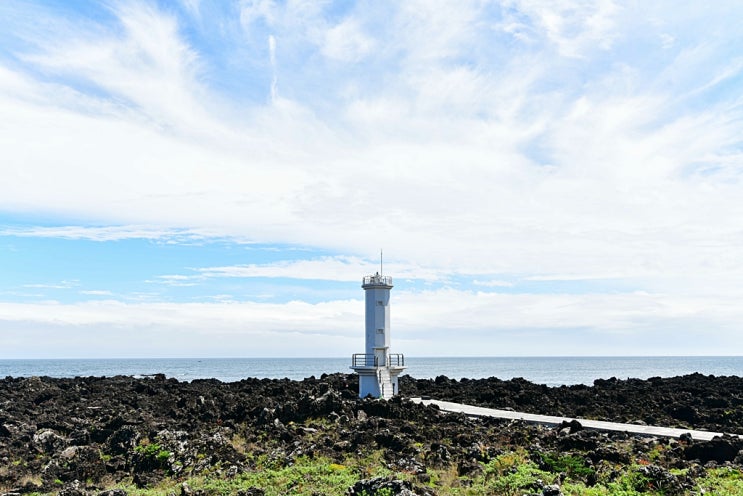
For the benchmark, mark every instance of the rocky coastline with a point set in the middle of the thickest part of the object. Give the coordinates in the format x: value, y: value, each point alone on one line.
x: 119, y: 435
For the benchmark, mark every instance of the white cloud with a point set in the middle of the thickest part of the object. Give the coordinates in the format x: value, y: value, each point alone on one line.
x: 175, y: 280
x: 55, y: 285
x: 110, y: 328
x: 192, y: 6
x: 332, y: 269
x: 97, y: 292
x: 108, y: 233
x: 432, y: 31
x: 325, y: 268
x: 345, y: 269
x: 274, y: 80
x: 254, y: 10
x: 148, y: 64
x: 347, y: 42
x: 435, y: 322
x: 574, y: 27
x: 493, y: 283
x: 550, y: 140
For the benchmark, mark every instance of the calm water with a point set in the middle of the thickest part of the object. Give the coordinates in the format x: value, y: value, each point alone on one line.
x: 552, y: 371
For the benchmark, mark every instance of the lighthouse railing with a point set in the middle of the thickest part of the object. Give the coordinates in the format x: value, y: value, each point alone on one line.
x: 396, y: 360
x: 372, y: 360
x: 377, y: 279
x: 364, y: 360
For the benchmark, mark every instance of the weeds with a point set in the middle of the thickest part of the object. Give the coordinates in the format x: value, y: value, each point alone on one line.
x: 573, y: 466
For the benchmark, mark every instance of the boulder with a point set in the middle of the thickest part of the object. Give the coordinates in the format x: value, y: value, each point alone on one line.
x: 48, y: 441
x: 384, y: 486
x: 74, y: 488
x: 719, y: 449
x: 551, y: 490
x: 660, y: 479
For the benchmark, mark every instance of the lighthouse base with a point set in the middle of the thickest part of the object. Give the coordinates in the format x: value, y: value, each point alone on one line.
x: 378, y: 382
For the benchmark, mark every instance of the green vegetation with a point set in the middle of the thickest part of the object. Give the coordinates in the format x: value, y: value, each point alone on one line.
x: 510, y: 474
x: 722, y: 482
x: 571, y: 465
x: 304, y: 476
x: 153, y: 454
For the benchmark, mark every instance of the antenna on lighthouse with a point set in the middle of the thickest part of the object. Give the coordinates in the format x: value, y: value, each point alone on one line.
x: 381, y: 263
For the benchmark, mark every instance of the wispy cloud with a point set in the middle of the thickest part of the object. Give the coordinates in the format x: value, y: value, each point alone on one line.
x: 55, y: 285
x: 274, y: 79
x: 144, y: 61
x: 326, y: 268
x: 340, y: 268
x: 493, y: 283
x: 574, y: 28
x: 176, y: 280
x: 109, y: 233
x: 97, y: 292
x: 347, y: 42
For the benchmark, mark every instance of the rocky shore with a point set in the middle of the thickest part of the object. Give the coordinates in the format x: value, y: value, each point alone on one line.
x: 120, y: 435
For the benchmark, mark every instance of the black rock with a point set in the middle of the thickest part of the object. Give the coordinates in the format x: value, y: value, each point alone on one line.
x: 719, y: 449
x: 386, y: 486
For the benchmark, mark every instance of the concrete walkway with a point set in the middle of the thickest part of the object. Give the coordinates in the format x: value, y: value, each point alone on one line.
x: 599, y: 425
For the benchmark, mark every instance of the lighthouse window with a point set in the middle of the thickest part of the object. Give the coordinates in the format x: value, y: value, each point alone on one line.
x: 380, y: 303
x: 380, y: 331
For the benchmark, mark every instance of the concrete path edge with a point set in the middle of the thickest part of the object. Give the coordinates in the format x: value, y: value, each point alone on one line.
x: 600, y: 425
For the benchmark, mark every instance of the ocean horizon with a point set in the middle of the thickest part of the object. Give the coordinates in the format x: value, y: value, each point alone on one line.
x: 552, y: 371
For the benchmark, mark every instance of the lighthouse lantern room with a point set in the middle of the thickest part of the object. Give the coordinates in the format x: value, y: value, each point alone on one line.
x: 378, y: 369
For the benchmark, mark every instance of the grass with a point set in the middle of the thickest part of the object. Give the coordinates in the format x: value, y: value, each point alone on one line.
x: 512, y: 473
x: 153, y: 454
x: 319, y: 476
x: 573, y: 466
x: 305, y: 477
x: 722, y: 482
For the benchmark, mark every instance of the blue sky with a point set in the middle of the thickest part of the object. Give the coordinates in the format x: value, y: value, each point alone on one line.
x: 214, y: 178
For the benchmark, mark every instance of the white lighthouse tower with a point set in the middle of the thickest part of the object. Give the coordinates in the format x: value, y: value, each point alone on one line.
x: 378, y: 369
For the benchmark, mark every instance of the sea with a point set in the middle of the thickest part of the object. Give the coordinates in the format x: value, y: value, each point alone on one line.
x: 552, y: 371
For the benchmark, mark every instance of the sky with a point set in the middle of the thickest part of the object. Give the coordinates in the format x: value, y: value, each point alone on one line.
x: 214, y: 178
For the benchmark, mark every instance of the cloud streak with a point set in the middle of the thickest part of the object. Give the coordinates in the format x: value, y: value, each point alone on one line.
x: 107, y: 233
x: 322, y: 269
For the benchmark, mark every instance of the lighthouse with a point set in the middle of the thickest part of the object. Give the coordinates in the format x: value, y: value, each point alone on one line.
x: 378, y: 369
